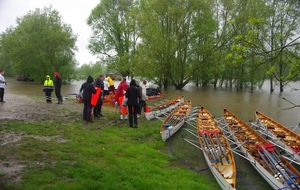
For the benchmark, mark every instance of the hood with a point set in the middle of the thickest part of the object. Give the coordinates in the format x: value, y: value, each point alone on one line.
x: 89, y: 79
x: 56, y: 74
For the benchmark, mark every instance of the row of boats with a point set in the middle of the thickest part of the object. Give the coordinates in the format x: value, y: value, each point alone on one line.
x: 269, y: 146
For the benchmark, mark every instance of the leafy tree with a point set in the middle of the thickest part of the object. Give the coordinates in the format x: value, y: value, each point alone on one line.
x: 40, y: 44
x: 89, y: 69
x: 282, y: 38
x: 115, y: 33
x: 169, y: 36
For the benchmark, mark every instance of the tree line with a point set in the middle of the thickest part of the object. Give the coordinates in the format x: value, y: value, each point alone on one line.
x: 228, y: 43
x: 219, y: 43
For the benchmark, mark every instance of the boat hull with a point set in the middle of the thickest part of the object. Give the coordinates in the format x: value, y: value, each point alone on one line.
x: 220, y: 179
x: 153, y: 114
x: 266, y: 132
x: 167, y: 133
x: 272, y: 181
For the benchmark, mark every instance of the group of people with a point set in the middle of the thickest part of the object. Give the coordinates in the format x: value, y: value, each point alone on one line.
x: 49, y: 86
x: 129, y: 98
x: 87, y: 90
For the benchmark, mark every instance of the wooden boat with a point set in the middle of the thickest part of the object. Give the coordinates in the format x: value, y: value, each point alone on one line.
x: 155, y: 97
x: 280, y: 135
x: 262, y: 155
x: 216, y: 150
x: 164, y: 108
x: 175, y: 120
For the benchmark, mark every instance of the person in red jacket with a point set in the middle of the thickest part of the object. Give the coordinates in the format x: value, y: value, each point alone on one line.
x: 119, y: 98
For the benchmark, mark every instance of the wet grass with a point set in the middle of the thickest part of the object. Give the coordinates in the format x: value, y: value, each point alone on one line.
x: 106, y: 155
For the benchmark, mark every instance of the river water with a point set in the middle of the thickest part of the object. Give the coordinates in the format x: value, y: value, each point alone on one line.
x: 242, y: 103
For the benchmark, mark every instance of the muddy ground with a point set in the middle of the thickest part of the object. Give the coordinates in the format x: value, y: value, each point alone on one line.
x: 35, y: 109
x: 18, y: 107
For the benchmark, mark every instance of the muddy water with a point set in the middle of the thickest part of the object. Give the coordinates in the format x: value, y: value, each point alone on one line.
x: 242, y: 103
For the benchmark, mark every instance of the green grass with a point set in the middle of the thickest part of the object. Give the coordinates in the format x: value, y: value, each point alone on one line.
x: 103, y: 156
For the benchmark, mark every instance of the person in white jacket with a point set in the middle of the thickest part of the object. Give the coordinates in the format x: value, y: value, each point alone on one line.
x: 3, y: 84
x: 144, y: 96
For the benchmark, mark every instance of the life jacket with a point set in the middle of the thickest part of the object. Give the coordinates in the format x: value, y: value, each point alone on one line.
x: 48, y: 84
x: 123, y: 108
x: 96, y: 96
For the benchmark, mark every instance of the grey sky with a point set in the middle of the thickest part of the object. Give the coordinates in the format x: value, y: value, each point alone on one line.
x: 73, y: 12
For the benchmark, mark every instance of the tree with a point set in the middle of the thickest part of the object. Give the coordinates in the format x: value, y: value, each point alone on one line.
x: 169, y: 36
x: 281, y: 39
x: 91, y: 69
x: 40, y: 44
x: 115, y: 33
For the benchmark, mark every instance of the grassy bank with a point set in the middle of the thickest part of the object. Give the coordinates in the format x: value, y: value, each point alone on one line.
x: 105, y: 155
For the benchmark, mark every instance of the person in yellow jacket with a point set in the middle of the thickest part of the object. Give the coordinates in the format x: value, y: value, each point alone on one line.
x: 111, y: 84
x: 48, y: 88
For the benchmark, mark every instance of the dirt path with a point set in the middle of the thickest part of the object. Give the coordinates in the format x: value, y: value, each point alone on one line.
x: 18, y: 107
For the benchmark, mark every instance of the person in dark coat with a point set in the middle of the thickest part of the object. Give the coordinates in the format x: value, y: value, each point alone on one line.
x: 87, y: 90
x: 57, y: 87
x: 99, y: 82
x: 133, y: 96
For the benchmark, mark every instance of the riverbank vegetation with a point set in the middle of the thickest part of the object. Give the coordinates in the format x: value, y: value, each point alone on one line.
x: 227, y: 43
x: 39, y: 45
x: 235, y: 44
x: 106, y: 155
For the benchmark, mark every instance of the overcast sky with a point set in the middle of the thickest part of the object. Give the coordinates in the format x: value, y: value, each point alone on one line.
x: 73, y: 12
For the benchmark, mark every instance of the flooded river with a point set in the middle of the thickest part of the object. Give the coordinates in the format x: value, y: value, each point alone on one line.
x: 242, y: 103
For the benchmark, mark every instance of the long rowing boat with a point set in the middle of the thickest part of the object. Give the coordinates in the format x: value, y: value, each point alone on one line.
x: 280, y: 135
x: 164, y: 108
x: 175, y: 120
x: 275, y: 169
x: 216, y: 150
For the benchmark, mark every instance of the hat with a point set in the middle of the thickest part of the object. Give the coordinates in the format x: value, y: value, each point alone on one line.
x: 56, y: 74
x: 47, y: 76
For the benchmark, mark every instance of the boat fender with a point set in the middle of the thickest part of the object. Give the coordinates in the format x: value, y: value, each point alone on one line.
x: 147, y: 109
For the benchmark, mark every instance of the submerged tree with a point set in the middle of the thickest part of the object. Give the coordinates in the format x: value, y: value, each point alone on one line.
x: 170, y: 37
x: 40, y: 44
x: 227, y: 42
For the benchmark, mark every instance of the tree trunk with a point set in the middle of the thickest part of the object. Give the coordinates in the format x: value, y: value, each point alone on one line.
x: 281, y: 86
x: 271, y: 85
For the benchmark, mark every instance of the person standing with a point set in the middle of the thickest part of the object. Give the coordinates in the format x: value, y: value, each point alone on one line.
x: 87, y: 90
x: 48, y: 88
x: 57, y: 83
x: 106, y: 87
x: 3, y: 84
x: 143, y: 103
x: 111, y: 84
x: 119, y: 98
x: 139, y: 109
x: 98, y: 108
x: 132, y: 95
